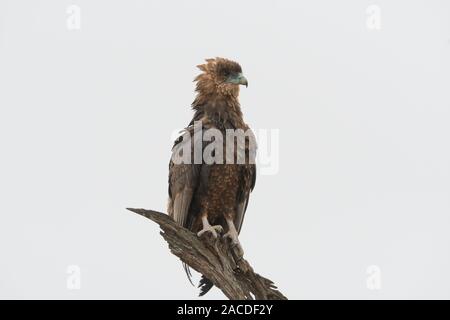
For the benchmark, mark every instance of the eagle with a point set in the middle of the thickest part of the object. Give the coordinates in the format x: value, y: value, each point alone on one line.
x: 212, y: 197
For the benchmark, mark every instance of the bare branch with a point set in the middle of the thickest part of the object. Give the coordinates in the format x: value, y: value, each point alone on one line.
x: 216, y: 259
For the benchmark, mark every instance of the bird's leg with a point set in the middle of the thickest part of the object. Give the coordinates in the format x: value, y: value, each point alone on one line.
x: 232, y: 234
x: 209, y: 228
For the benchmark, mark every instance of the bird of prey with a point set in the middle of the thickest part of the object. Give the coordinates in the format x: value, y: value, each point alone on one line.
x: 211, y: 198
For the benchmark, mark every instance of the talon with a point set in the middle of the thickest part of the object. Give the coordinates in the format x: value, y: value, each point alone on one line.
x: 236, y: 244
x: 214, y: 230
x: 233, y: 236
x: 209, y: 228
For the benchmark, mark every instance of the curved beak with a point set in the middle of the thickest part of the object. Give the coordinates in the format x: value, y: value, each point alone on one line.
x: 243, y: 80
x: 238, y: 79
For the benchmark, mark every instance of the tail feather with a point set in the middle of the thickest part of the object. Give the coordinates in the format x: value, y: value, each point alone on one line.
x: 188, y: 273
x: 205, y: 285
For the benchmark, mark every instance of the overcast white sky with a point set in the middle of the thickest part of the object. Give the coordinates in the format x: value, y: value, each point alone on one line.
x: 86, y: 118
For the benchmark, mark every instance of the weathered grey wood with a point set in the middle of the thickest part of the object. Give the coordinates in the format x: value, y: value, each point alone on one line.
x: 214, y: 258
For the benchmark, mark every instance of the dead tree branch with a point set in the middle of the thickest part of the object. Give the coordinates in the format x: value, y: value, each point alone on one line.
x: 215, y: 259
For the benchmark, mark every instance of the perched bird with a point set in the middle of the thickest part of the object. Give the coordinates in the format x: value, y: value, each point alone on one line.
x: 209, y: 197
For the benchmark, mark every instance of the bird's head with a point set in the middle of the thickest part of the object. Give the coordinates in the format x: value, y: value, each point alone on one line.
x: 220, y: 76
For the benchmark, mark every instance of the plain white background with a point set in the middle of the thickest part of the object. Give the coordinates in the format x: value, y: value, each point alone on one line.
x: 86, y: 118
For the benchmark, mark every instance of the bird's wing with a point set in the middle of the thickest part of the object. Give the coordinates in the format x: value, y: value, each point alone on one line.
x: 249, y: 177
x: 248, y: 180
x: 183, y: 179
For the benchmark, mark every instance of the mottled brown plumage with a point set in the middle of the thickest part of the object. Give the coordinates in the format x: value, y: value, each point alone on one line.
x: 210, y: 197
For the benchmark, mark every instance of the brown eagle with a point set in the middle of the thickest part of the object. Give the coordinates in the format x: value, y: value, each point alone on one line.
x: 207, y: 197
